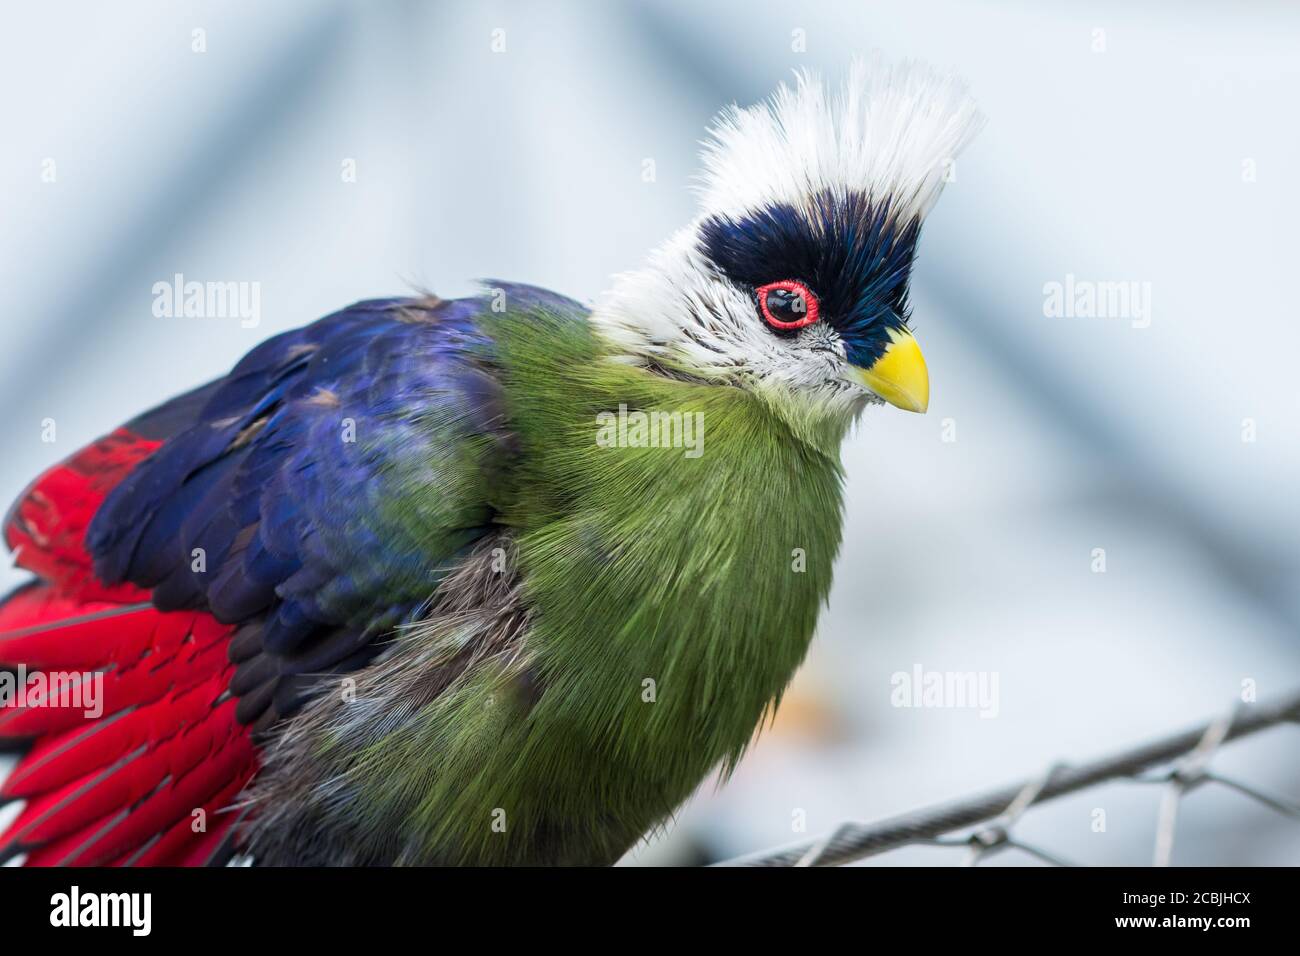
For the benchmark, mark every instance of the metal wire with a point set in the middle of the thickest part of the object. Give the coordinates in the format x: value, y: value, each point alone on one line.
x: 1189, y: 754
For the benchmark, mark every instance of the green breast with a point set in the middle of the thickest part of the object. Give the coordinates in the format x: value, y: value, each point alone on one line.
x: 675, y: 564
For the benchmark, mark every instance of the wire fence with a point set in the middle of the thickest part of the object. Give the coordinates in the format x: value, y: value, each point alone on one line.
x: 984, y: 824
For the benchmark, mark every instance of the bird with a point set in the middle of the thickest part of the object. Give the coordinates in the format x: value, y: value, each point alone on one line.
x: 495, y: 580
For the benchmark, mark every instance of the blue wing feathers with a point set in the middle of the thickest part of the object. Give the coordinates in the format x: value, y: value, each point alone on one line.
x: 285, y: 474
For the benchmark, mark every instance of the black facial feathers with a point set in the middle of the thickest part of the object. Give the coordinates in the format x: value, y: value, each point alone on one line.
x: 852, y: 253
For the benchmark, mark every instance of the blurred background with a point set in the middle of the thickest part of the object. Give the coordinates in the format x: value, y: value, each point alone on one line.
x: 332, y: 151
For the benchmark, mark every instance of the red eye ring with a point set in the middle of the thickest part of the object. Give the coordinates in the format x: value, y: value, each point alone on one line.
x: 796, y: 288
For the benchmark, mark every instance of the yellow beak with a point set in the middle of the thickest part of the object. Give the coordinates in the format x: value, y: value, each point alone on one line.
x: 899, y: 376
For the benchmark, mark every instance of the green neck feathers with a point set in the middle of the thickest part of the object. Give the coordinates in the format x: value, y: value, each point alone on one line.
x: 668, y: 595
x: 675, y: 588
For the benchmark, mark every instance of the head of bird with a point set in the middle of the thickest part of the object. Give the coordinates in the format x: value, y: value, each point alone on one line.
x: 792, y: 281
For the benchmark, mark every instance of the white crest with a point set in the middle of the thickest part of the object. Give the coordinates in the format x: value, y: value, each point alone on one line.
x: 891, y: 131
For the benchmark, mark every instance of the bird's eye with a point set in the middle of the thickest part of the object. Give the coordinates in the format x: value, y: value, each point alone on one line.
x: 787, y: 304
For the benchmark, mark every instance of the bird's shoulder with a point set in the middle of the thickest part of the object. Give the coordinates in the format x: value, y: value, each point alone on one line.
x: 317, y: 494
